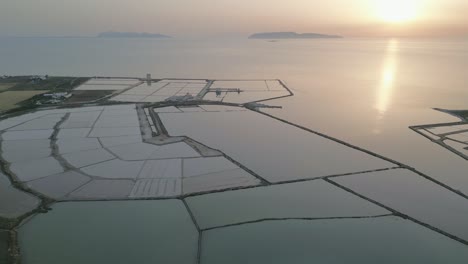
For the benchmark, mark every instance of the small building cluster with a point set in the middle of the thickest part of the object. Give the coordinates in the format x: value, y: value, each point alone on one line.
x: 53, y: 98
x: 38, y: 78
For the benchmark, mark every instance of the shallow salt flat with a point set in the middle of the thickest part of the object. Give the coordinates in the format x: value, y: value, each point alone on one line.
x: 81, y: 120
x: 101, y: 87
x: 244, y: 97
x: 400, y: 189
x: 176, y: 85
x: 314, y: 199
x: 71, y: 133
x: 82, y: 109
x: 115, y: 169
x: 211, y: 96
x: 463, y: 148
x: 119, y: 110
x: 243, y: 85
x: 35, y: 169
x: 152, y: 98
x: 134, y: 151
x: 123, y: 113
x: 199, y: 166
x: 18, y: 120
x: 461, y: 137
x: 119, y: 107
x: 46, y: 122
x: 117, y: 117
x: 186, y: 81
x: 219, y: 181
x: 129, y: 120
x: 183, y: 80
x: 192, y: 91
x: 87, y: 157
x: 155, y: 85
x: 274, y: 150
x: 83, y: 115
x: 13, y: 202
x: 29, y: 116
x: 77, y: 144
x: 88, y: 232
x: 112, y: 81
x: 4, y: 237
x: 114, y: 131
x: 170, y: 168
x: 253, y: 96
x: 20, y: 150
x: 387, y: 240
x: 145, y: 89
x: 221, y: 108
x: 10, y: 122
x: 25, y: 135
x: 196, y: 85
x: 128, y: 98
x: 428, y: 134
x: 104, y: 189
x: 169, y: 109
x: 274, y: 86
x: 59, y: 185
x: 191, y: 109
x: 147, y: 188
x: 447, y: 129
x: 117, y: 141
x: 174, y: 150
x: 24, y: 145
x: 167, y: 91
x: 140, y: 91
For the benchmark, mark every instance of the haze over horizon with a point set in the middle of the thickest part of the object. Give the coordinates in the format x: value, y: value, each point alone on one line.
x: 357, y: 18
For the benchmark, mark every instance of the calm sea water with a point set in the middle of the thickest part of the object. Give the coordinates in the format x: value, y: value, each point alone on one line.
x: 365, y: 91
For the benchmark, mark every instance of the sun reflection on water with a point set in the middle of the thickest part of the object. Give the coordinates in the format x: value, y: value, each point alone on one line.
x: 387, y: 81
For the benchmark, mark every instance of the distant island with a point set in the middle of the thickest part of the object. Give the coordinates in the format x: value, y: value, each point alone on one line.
x: 290, y: 35
x: 112, y: 34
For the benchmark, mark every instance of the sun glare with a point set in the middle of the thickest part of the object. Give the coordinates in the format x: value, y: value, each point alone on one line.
x: 397, y: 11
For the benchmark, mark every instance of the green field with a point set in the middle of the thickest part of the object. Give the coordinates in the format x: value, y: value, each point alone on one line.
x: 18, y: 92
x: 6, y: 86
x: 52, y: 84
x: 10, y: 99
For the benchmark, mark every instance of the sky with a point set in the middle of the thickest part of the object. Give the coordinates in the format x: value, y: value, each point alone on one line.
x: 192, y: 18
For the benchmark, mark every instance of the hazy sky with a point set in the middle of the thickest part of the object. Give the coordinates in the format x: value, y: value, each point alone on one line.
x: 217, y: 17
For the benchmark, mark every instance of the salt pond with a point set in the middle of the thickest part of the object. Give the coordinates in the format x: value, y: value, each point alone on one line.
x: 248, y: 185
x: 99, y: 153
x: 274, y: 150
x: 13, y: 202
x: 380, y: 240
x: 402, y: 189
x: 107, y: 84
x: 111, y: 232
x: 161, y: 90
x: 313, y: 199
x: 4, y: 247
x: 339, y: 91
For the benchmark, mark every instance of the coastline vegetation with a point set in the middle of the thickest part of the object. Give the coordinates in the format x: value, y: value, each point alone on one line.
x: 18, y: 93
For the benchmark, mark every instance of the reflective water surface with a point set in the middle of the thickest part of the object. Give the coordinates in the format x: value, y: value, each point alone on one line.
x: 363, y: 91
x: 366, y: 91
x: 111, y: 232
x: 380, y: 240
x: 3, y: 246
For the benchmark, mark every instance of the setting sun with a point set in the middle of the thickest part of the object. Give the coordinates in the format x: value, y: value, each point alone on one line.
x: 396, y: 11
